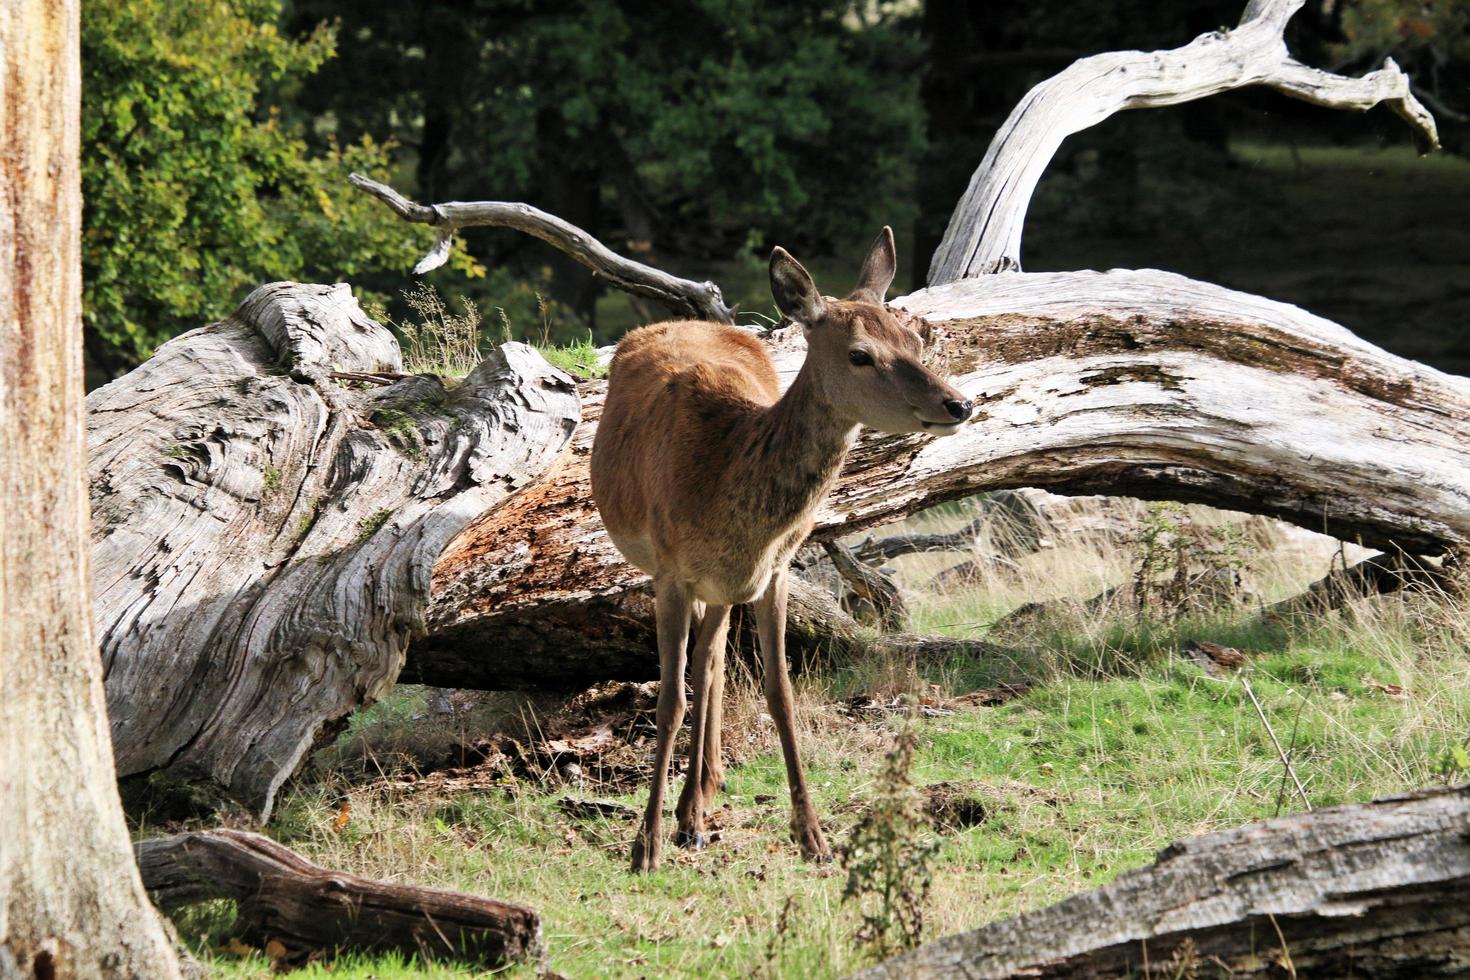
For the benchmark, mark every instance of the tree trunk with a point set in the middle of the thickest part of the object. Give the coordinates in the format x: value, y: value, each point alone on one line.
x: 1139, y: 383
x: 233, y: 640
x: 1376, y: 889
x: 71, y: 903
x: 285, y: 898
x: 268, y: 510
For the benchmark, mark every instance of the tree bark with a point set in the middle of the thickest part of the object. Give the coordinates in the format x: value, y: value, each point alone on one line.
x: 71, y: 903
x: 1376, y: 889
x: 285, y: 898
x: 264, y: 534
x: 1139, y: 383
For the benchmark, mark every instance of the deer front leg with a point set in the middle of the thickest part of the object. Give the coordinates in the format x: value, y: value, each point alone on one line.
x: 770, y: 619
x: 709, y: 644
x: 672, y: 605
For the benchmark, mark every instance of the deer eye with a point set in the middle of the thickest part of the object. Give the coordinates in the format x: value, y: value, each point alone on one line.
x: 860, y: 358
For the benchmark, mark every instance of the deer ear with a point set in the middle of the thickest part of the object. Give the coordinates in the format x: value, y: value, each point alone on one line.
x: 878, y: 269
x: 796, y: 295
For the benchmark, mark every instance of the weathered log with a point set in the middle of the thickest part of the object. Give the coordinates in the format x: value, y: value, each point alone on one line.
x: 897, y: 545
x: 1378, y: 575
x: 1374, y: 889
x: 869, y: 584
x: 1146, y: 384
x: 287, y: 899
x: 984, y: 233
x: 264, y: 537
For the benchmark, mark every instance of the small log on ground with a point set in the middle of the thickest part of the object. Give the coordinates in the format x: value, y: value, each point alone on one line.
x: 1378, y: 575
x: 264, y: 535
x: 1371, y: 890
x: 284, y: 897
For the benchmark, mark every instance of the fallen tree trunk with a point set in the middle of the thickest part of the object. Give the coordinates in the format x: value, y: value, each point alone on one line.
x: 1136, y: 383
x: 284, y: 898
x: 263, y: 535
x: 1376, y: 889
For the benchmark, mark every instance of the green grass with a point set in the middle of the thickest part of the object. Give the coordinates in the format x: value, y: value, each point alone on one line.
x: 579, y: 358
x: 1121, y: 748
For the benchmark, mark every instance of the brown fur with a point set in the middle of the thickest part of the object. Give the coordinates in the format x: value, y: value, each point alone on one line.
x: 707, y: 477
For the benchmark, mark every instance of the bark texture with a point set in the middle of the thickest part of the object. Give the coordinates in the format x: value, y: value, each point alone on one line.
x: 71, y: 903
x: 984, y: 233
x: 1136, y: 383
x: 1376, y: 890
x: 285, y: 898
x: 264, y: 534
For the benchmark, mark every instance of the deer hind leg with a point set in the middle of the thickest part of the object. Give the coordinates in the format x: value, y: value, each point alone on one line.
x: 713, y: 769
x: 672, y: 605
x: 709, y: 643
x: 770, y: 618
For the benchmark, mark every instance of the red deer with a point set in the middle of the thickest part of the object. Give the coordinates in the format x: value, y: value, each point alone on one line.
x: 706, y: 477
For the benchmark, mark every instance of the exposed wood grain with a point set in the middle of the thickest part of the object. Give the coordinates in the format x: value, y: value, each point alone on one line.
x: 71, y: 903
x: 264, y: 537
x: 1374, y: 890
x: 285, y: 898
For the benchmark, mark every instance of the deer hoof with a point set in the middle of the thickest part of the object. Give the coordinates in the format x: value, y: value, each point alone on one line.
x: 813, y: 846
x: 694, y: 841
x: 645, y: 859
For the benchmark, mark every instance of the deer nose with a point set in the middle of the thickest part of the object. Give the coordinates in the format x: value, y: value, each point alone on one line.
x: 959, y: 410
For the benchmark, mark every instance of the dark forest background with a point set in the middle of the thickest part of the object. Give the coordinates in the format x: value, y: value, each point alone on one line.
x: 217, y: 137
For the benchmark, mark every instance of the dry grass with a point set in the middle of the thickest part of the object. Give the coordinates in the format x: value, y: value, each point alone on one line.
x: 1123, y: 747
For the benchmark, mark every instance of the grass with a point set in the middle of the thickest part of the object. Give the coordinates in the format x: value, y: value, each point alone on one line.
x: 1122, y: 747
x: 450, y: 345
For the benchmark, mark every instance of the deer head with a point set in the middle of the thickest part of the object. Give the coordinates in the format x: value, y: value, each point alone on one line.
x: 864, y: 362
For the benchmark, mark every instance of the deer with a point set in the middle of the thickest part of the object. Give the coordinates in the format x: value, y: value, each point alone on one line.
x: 707, y: 478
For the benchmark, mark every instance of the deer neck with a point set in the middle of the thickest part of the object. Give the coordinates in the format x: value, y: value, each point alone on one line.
x: 798, y: 450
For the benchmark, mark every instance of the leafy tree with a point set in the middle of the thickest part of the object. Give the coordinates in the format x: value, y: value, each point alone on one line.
x: 695, y: 129
x: 197, y: 188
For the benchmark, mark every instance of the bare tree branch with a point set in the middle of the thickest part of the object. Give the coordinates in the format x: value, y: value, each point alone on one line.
x: 984, y: 233
x: 701, y: 300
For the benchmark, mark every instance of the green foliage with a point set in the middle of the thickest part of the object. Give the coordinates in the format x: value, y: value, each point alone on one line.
x: 371, y: 524
x: 577, y: 358
x: 197, y: 188
x: 794, y: 120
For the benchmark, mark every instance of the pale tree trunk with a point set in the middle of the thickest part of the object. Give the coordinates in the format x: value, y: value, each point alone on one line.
x: 71, y: 902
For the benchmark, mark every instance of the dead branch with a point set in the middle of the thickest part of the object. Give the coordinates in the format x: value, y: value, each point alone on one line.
x: 305, y: 907
x: 984, y: 233
x: 700, y: 300
x: 868, y: 583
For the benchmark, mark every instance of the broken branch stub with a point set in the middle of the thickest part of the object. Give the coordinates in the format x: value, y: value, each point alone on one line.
x: 984, y: 233
x: 263, y: 537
